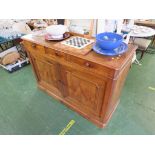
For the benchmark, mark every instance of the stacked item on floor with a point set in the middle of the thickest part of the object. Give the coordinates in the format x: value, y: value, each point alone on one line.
x: 12, y: 54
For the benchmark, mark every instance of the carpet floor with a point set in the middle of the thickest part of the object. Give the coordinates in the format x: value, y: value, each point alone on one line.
x: 24, y: 109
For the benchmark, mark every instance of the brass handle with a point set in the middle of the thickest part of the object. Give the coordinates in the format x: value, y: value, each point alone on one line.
x: 57, y: 54
x: 34, y: 45
x: 87, y: 64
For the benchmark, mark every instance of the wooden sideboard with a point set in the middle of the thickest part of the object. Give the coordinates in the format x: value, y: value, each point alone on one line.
x: 89, y: 84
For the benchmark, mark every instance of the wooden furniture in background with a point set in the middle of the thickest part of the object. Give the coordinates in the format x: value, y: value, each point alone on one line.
x: 89, y: 84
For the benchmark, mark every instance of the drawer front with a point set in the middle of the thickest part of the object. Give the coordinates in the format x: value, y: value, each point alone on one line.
x: 54, y: 53
x: 35, y: 48
x: 93, y: 67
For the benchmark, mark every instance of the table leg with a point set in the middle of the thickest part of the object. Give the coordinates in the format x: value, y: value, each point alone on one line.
x: 153, y: 41
x: 151, y: 49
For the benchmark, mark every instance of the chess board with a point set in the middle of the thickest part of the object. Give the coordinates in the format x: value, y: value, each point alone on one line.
x: 77, y: 42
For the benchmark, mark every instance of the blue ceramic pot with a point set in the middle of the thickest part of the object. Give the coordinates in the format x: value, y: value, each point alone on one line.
x: 109, y: 40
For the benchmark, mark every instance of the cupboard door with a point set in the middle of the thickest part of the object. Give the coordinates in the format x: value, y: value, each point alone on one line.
x: 83, y: 90
x: 46, y: 72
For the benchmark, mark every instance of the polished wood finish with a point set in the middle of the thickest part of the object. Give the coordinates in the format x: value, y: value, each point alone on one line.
x: 89, y: 84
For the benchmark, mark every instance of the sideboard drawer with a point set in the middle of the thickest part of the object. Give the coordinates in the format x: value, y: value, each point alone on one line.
x: 33, y: 47
x: 93, y: 67
x: 54, y: 53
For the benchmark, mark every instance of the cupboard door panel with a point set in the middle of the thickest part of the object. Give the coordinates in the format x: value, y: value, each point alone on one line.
x: 47, y: 72
x: 84, y: 91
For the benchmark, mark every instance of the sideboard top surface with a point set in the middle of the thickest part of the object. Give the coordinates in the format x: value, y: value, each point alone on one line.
x: 116, y: 63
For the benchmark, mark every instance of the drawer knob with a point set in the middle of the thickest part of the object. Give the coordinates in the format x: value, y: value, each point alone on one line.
x: 88, y: 64
x: 56, y: 53
x: 34, y: 45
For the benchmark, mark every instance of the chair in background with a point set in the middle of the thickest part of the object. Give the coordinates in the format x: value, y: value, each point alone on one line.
x: 142, y: 44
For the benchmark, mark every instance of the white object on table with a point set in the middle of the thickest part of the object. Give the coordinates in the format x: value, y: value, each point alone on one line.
x: 142, y: 31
